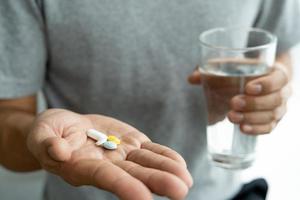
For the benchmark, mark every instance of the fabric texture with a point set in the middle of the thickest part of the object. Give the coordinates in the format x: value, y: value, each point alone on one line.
x: 129, y: 60
x: 281, y: 18
x: 254, y: 190
x: 22, y: 48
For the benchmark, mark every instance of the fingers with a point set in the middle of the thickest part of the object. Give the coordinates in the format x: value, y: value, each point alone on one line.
x: 195, y: 78
x: 264, y: 103
x: 259, y: 103
x: 159, y: 182
x: 150, y: 159
x: 251, y: 103
x: 164, y: 151
x: 258, y: 117
x: 272, y: 82
x: 258, y: 129
x: 107, y: 176
x: 259, y: 122
x: 259, y: 114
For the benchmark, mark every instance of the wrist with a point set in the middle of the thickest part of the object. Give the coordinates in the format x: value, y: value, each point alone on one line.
x: 15, y: 128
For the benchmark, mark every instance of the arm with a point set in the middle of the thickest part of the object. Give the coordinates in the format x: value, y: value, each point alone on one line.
x: 16, y: 118
x: 57, y: 139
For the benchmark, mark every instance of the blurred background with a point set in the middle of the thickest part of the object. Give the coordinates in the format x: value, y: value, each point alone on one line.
x: 277, y: 159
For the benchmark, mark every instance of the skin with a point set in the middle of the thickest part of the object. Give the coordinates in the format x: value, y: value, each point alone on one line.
x: 264, y: 103
x: 56, y: 141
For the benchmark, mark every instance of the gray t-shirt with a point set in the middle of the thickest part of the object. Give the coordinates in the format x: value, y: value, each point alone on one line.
x: 129, y: 60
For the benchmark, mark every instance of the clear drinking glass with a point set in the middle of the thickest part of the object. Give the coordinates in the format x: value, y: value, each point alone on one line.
x: 230, y: 57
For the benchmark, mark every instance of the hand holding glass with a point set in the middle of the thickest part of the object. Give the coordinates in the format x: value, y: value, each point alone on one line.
x: 231, y: 57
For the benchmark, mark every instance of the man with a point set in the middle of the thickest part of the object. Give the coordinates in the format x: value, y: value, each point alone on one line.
x: 128, y: 60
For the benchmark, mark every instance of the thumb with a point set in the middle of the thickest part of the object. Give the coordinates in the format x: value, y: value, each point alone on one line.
x: 195, y: 77
x: 58, y: 148
x: 48, y: 149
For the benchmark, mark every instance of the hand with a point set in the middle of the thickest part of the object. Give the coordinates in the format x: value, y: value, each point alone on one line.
x: 258, y: 110
x: 138, y: 167
x: 264, y: 102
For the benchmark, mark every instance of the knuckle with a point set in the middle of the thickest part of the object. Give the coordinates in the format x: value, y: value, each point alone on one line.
x: 274, y: 115
x: 278, y: 100
x: 271, y: 116
x: 281, y: 94
x: 284, y: 73
x: 286, y: 92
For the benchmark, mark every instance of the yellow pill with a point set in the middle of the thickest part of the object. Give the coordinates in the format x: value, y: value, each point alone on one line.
x: 114, y: 139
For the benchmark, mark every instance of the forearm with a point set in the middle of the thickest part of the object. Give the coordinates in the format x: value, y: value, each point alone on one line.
x: 14, y: 127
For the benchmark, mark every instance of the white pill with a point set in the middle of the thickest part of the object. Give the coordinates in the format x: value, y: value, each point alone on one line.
x: 100, y: 142
x: 96, y: 135
x: 110, y: 145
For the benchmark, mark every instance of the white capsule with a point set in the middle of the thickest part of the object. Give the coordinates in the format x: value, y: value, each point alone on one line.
x: 100, y: 142
x: 96, y: 135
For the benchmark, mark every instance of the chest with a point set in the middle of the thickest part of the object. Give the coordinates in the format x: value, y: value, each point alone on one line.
x: 107, y: 40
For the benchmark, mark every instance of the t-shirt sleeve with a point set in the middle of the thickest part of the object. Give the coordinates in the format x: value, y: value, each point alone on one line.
x: 281, y: 17
x: 22, y: 48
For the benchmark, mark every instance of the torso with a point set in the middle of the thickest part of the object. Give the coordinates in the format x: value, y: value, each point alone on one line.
x: 130, y: 60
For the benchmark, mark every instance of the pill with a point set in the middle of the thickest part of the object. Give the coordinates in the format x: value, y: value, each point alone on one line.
x: 114, y: 139
x: 100, y: 142
x: 96, y: 135
x: 110, y: 145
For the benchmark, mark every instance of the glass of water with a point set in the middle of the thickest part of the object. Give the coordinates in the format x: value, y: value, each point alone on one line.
x: 230, y: 57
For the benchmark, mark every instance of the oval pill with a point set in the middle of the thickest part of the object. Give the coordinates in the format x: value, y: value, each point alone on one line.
x: 110, y: 145
x: 100, y: 142
x: 113, y: 139
x: 96, y: 135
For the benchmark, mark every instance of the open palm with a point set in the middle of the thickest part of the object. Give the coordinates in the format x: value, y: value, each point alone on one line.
x: 134, y: 170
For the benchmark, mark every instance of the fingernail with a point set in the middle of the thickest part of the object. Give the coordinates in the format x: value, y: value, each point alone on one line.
x: 247, y: 128
x: 240, y: 103
x: 255, y: 89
